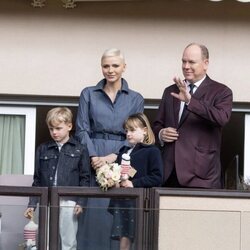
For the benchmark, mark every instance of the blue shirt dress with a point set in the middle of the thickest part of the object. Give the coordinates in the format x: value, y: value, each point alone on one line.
x: 99, y: 125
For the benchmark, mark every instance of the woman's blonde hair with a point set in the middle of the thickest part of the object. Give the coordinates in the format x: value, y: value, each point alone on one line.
x: 58, y: 115
x: 140, y: 120
x: 113, y: 52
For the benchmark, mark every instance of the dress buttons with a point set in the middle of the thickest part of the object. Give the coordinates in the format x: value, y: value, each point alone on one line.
x: 72, y: 155
x: 51, y: 178
x: 53, y: 167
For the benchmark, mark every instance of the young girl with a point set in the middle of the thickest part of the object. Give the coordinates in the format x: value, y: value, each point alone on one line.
x: 145, y: 159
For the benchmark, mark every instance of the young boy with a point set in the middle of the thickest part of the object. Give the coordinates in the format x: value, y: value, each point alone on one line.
x: 62, y: 162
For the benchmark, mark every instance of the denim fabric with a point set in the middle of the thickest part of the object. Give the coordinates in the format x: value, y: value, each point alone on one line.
x: 98, y: 116
x: 71, y: 162
x: 99, y: 125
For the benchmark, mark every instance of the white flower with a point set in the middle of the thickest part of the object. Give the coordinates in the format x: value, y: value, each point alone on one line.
x: 116, y: 176
x: 108, y: 175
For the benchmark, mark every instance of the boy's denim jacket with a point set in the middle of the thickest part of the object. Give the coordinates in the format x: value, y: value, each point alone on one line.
x: 71, y: 162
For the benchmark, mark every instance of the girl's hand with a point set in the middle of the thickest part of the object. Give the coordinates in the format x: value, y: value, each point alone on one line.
x: 126, y: 184
x: 117, y: 185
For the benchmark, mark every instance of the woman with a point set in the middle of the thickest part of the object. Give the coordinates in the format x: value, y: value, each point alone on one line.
x: 101, y: 114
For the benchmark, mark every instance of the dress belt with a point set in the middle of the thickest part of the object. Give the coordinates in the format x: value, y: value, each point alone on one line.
x: 108, y: 136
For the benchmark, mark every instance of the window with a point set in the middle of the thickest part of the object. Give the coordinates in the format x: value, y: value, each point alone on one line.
x: 17, y: 140
x: 246, y: 149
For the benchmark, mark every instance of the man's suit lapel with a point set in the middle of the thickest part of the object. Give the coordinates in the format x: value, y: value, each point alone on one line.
x: 202, y: 89
x: 176, y: 108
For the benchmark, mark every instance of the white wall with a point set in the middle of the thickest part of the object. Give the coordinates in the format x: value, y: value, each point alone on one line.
x: 56, y: 51
x: 193, y: 223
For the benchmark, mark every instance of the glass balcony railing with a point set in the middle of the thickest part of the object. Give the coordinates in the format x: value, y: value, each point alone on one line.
x: 13, y: 203
x: 145, y: 219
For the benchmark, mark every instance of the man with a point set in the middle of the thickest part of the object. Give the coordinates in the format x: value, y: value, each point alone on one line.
x: 189, y: 124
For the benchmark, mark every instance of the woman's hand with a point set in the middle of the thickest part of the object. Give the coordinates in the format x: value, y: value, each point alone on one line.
x: 110, y: 158
x: 97, y: 162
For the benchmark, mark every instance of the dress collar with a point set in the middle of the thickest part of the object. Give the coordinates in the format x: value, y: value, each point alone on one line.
x: 100, y: 85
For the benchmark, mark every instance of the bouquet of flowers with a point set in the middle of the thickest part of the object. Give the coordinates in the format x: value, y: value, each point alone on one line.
x: 108, y: 175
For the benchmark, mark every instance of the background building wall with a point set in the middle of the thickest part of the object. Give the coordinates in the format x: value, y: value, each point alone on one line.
x: 56, y: 51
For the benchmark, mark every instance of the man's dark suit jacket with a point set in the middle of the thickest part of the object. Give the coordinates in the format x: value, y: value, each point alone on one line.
x: 196, y: 153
